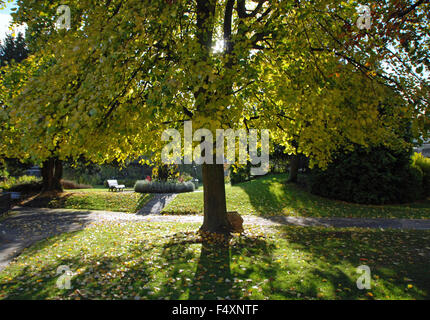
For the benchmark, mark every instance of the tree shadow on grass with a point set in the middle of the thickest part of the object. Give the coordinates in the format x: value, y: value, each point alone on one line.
x: 44, y: 200
x: 396, y: 259
x: 299, y: 263
x: 95, y: 277
x: 213, y: 278
x: 273, y: 196
x: 178, y: 271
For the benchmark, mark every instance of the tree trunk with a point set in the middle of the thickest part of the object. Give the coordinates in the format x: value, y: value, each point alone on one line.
x: 52, y: 172
x: 215, y: 207
x: 294, y: 168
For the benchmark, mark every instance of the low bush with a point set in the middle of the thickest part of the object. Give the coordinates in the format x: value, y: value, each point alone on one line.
x: 22, y: 184
x: 32, y: 187
x: 423, y: 163
x: 145, y: 186
x: 378, y: 176
x: 240, y: 174
x: 185, y: 177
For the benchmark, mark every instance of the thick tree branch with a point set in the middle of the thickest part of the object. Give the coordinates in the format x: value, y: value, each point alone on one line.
x: 228, y: 26
x: 242, y: 12
x: 406, y: 11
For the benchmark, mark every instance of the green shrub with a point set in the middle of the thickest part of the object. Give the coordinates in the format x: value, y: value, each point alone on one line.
x: 423, y: 163
x: 22, y: 184
x: 165, y: 172
x: 184, y: 176
x: 145, y: 186
x: 7, y: 183
x: 378, y: 176
x: 27, y: 179
x: 4, y: 174
x: 240, y: 174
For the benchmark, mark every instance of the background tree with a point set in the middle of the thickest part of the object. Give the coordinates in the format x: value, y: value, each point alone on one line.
x: 126, y: 71
x: 13, y: 49
x: 13, y: 53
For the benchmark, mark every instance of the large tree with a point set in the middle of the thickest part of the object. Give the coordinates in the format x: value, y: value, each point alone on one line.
x: 127, y: 70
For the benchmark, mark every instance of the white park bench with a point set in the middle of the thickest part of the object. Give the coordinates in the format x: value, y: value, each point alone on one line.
x: 114, y: 186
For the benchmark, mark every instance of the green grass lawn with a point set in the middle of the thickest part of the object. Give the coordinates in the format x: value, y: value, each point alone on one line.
x: 153, y: 261
x: 270, y: 196
x: 93, y: 199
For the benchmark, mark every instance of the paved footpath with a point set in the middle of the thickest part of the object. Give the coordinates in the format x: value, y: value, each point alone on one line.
x: 157, y: 203
x: 26, y: 226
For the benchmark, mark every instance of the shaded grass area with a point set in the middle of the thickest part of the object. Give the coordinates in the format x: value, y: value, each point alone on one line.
x: 141, y: 261
x: 92, y: 200
x: 271, y: 196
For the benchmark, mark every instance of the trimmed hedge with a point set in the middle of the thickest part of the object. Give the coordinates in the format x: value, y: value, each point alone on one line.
x: 145, y: 186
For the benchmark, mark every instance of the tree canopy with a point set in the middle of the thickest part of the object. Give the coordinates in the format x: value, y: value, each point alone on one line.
x: 129, y: 69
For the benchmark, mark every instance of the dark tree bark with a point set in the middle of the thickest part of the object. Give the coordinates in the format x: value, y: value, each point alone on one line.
x: 294, y: 168
x: 52, y: 173
x: 215, y: 207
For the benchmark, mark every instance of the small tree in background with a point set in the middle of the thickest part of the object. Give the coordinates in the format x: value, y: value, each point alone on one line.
x: 13, y: 49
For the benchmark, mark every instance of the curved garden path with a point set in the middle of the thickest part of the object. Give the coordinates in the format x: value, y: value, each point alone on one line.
x: 157, y: 203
